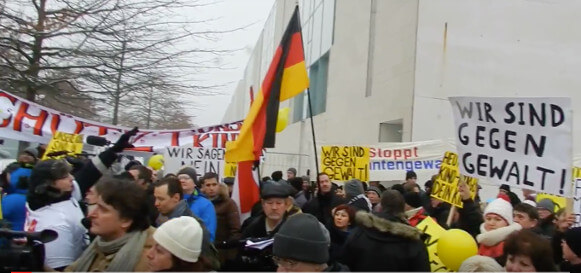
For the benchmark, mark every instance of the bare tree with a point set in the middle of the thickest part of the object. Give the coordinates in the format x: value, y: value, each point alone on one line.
x: 111, y: 50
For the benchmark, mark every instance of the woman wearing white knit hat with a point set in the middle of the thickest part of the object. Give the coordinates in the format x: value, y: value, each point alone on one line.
x: 178, y: 244
x: 498, y: 224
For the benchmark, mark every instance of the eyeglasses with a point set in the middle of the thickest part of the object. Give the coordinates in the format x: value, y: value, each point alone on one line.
x: 286, y: 263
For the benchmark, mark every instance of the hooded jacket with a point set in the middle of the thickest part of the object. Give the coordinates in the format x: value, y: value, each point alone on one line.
x: 203, y: 208
x: 14, y: 209
x: 381, y: 242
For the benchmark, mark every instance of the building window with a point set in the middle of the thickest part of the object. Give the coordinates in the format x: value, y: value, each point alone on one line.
x: 391, y: 131
x: 318, y: 73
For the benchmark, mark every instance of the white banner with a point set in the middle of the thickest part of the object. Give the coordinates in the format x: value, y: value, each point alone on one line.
x: 27, y: 121
x: 522, y: 142
x: 391, y: 161
x: 203, y: 160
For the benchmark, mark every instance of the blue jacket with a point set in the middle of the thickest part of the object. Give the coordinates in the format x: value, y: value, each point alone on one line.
x: 14, y: 209
x: 204, y: 209
x: 15, y: 177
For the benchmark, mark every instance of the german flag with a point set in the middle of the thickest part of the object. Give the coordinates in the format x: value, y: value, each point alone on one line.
x: 286, y: 77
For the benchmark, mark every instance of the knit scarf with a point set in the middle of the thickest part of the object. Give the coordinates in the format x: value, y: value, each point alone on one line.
x: 127, y: 250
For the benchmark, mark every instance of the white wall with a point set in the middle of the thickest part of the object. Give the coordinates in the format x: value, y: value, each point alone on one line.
x: 494, y: 48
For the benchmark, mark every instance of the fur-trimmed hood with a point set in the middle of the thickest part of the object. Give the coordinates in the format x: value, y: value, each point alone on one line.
x: 383, y: 225
x: 493, y: 237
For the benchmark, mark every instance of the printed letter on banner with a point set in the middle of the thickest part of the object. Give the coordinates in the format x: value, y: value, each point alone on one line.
x: 69, y: 144
x: 343, y: 163
x: 522, y: 142
x: 445, y: 186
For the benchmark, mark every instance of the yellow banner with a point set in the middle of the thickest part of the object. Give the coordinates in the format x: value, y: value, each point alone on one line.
x: 343, y: 163
x: 445, y: 186
x: 64, y: 142
x: 230, y: 169
x: 431, y: 228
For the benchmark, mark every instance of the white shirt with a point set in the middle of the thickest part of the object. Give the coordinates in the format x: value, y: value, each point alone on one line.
x: 65, y: 218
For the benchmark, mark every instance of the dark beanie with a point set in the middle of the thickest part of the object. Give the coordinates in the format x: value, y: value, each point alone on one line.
x: 505, y: 187
x: 413, y: 199
x: 189, y: 172
x: 410, y: 174
x: 47, y: 171
x: 292, y: 170
x: 353, y: 188
x: 573, y: 239
x: 303, y: 239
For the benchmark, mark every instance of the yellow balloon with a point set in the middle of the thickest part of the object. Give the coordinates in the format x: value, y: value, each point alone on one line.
x: 282, y: 120
x: 156, y: 162
x: 455, y: 246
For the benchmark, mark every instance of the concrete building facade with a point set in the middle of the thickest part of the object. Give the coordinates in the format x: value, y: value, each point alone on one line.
x: 382, y: 70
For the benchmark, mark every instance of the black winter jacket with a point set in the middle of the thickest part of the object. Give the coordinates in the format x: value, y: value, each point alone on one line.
x: 322, y: 205
x: 381, y: 243
x: 470, y: 218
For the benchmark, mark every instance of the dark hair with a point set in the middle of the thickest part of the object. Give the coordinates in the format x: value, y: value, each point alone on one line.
x: 4, y: 183
x: 527, y: 243
x: 528, y: 209
x: 128, y: 198
x: 398, y: 187
x: 170, y: 175
x: 173, y: 186
x: 41, y: 191
x: 350, y: 211
x: 297, y: 183
x: 209, y: 175
x: 392, y: 202
x: 276, y: 175
x: 266, y: 179
x: 319, y: 177
x: 144, y: 173
x: 410, y: 174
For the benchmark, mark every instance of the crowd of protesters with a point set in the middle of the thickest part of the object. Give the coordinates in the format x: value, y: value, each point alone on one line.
x: 141, y: 220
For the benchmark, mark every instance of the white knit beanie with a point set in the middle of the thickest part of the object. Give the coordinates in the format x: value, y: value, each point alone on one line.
x: 480, y: 264
x: 501, y: 207
x: 182, y: 237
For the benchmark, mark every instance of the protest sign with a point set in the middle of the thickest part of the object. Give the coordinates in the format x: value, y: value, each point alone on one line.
x: 445, y: 186
x: 63, y: 144
x: 24, y: 120
x: 203, y: 160
x: 577, y: 202
x: 391, y: 161
x: 522, y: 142
x: 430, y: 227
x: 230, y: 169
x: 343, y: 163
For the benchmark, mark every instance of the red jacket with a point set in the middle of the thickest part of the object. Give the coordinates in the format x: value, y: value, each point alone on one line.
x: 494, y: 251
x: 417, y: 217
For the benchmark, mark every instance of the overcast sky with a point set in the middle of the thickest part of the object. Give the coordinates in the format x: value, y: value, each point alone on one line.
x: 231, y: 14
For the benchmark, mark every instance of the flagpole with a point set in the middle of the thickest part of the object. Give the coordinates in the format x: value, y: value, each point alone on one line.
x: 313, y: 131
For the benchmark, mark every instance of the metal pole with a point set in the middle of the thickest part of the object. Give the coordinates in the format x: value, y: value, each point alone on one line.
x: 313, y: 131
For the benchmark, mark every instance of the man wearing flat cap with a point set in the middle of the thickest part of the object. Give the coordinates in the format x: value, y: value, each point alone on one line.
x: 276, y: 201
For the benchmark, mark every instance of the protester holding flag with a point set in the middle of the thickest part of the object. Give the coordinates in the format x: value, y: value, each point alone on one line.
x: 498, y: 225
x: 198, y: 203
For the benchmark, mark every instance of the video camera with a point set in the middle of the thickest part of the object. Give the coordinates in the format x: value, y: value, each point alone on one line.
x: 23, y: 251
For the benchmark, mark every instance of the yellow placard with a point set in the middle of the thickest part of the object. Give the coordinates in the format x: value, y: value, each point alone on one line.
x: 431, y: 228
x: 445, y: 186
x: 230, y: 169
x: 343, y: 163
x: 560, y: 202
x: 64, y: 142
